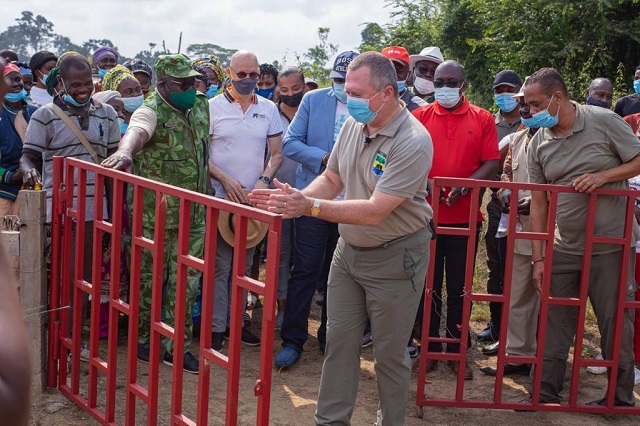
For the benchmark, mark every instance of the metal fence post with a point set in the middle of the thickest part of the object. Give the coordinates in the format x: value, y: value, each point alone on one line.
x: 33, y: 279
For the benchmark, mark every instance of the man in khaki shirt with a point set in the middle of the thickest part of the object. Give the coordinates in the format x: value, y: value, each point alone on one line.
x: 586, y: 147
x: 381, y: 159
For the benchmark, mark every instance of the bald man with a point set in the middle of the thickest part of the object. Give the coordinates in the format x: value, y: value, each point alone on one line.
x: 241, y: 124
x: 465, y: 145
x: 600, y: 93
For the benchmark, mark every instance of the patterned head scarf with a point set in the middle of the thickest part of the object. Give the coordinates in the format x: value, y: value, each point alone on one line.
x: 101, y: 52
x: 211, y: 62
x: 115, y: 76
x: 52, y: 80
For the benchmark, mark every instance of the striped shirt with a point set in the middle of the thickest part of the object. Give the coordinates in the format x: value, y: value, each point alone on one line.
x: 48, y: 136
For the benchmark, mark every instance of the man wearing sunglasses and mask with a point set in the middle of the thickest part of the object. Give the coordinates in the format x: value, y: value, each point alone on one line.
x: 242, y: 125
x: 167, y: 142
x: 465, y: 145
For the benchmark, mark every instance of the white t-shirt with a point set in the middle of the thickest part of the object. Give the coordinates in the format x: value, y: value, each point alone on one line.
x: 505, y: 141
x: 634, y: 183
x: 341, y: 116
x: 40, y: 96
x: 238, y: 141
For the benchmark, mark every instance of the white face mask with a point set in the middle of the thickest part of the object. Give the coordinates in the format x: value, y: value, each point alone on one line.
x: 448, y: 97
x: 423, y: 86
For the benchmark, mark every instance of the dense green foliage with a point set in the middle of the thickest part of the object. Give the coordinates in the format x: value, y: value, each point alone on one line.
x: 583, y: 39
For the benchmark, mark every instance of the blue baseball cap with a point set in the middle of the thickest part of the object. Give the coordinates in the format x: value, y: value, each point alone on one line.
x: 341, y: 63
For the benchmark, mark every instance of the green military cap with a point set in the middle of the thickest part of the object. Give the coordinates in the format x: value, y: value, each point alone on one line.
x: 178, y: 66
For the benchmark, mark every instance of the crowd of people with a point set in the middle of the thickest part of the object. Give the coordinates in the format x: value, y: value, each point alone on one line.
x: 350, y: 167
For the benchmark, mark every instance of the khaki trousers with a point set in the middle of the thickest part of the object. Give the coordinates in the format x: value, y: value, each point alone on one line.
x: 384, y: 285
x: 561, y: 321
x: 524, y: 305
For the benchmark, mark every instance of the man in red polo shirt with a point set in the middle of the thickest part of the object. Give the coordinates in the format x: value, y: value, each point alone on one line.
x: 465, y: 145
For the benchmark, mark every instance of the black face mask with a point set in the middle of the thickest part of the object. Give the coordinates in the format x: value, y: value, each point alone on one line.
x: 293, y: 100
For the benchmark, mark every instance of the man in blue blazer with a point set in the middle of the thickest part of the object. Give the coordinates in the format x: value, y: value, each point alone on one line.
x: 309, y: 141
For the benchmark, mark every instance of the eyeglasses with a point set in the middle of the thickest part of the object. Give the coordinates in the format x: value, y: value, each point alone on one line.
x: 242, y: 75
x: 438, y: 84
x: 184, y: 84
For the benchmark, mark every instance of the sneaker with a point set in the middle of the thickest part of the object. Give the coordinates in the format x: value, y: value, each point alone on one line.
x: 287, y: 357
x: 190, y: 363
x: 217, y: 340
x: 248, y: 338
x: 597, y: 370
x: 367, y: 340
x: 413, y: 351
x: 85, y: 354
x: 279, y: 319
x: 636, y: 374
x: 143, y: 352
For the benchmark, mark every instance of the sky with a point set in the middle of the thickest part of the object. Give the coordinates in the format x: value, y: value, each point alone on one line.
x: 272, y: 29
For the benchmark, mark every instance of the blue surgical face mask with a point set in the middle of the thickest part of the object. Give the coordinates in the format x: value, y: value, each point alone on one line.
x: 16, y: 97
x: 266, y: 93
x: 447, y: 97
x: 67, y: 98
x: 211, y: 91
x: 402, y: 86
x: 636, y: 86
x: 338, y: 90
x: 43, y: 80
x: 542, y: 118
x: 132, y: 104
x: 359, y: 109
x: 591, y: 101
x: 506, y: 102
x: 102, y: 72
x: 123, y: 126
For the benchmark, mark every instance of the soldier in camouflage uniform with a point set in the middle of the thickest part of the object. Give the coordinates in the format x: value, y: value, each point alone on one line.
x: 167, y: 141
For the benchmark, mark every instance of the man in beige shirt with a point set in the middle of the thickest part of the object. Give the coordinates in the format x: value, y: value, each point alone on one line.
x: 381, y: 159
x: 586, y: 147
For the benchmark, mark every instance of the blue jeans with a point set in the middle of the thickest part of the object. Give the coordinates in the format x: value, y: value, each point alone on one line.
x: 313, y: 238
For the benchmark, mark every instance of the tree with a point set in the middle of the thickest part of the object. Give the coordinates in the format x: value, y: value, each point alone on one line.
x: 315, y: 65
x: 206, y: 49
x: 63, y: 44
x: 37, y: 32
x: 374, y: 38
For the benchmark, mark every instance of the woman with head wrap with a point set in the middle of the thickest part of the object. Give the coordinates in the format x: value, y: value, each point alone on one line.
x: 122, y: 80
x: 143, y: 72
x: 113, y: 98
x: 210, y: 67
x: 104, y: 58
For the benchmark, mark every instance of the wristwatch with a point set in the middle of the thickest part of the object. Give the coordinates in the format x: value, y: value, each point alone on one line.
x: 464, y: 191
x: 315, y: 209
x: 265, y: 179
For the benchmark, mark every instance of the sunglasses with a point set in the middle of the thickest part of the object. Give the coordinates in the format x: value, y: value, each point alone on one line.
x: 438, y: 84
x: 185, y: 84
x: 242, y: 75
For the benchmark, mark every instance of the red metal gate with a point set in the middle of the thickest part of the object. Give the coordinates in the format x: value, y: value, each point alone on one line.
x: 64, y: 342
x: 496, y: 400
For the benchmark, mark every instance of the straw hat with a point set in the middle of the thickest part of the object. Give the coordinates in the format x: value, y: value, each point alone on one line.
x: 256, y: 230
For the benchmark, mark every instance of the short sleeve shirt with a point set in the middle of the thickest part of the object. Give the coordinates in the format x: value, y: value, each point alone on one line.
x: 600, y: 140
x: 238, y: 140
x: 395, y: 162
x: 462, y: 140
x: 48, y: 136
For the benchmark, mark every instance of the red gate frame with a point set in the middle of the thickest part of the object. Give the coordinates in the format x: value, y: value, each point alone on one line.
x: 61, y: 344
x: 553, y: 191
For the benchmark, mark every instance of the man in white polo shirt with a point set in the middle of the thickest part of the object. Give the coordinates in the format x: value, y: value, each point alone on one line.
x: 241, y: 126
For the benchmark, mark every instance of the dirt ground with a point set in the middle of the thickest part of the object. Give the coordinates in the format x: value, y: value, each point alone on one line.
x: 294, y: 393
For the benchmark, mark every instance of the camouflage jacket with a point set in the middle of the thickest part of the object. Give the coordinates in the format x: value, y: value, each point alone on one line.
x: 177, y: 154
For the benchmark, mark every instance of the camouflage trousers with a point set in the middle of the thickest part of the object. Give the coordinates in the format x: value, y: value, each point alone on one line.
x: 169, y: 271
